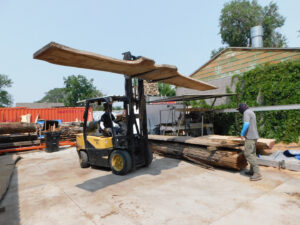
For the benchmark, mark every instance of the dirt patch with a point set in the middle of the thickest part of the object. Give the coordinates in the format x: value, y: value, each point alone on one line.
x: 295, y: 194
x: 282, y: 146
x: 109, y: 214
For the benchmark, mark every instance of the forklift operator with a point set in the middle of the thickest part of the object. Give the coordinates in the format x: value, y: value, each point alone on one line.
x: 105, y: 118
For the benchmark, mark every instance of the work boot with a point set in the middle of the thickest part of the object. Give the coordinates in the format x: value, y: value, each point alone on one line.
x: 249, y: 172
x: 255, y: 177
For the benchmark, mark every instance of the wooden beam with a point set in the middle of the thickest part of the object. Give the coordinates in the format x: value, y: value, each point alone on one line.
x: 217, y: 141
x: 62, y: 55
x: 14, y: 127
x: 17, y: 137
x: 222, y: 158
x: 19, y: 144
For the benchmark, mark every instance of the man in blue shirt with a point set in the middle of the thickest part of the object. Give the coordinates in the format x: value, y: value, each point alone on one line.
x: 250, y: 134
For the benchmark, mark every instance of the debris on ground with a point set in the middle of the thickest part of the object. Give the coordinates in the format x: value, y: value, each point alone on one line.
x: 289, y: 159
x: 70, y: 130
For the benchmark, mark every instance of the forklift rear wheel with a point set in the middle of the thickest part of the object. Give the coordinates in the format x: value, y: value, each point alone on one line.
x: 120, y: 162
x: 83, y: 159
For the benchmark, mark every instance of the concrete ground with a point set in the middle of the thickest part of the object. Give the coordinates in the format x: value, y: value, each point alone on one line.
x: 51, y: 188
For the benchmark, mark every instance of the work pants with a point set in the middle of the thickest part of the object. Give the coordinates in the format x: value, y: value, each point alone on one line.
x: 250, y: 154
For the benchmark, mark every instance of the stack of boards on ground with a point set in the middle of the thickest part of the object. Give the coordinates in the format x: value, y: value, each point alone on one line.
x: 14, y: 135
x: 70, y: 130
x: 213, y: 150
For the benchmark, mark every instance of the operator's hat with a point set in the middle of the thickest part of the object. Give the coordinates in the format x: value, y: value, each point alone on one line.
x: 242, y: 107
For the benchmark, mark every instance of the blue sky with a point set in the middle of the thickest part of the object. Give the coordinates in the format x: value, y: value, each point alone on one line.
x: 180, y: 33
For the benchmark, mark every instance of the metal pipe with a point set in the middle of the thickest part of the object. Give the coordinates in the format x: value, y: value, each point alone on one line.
x: 256, y: 36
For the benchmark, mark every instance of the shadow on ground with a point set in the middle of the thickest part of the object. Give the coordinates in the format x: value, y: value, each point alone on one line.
x: 9, y: 204
x: 154, y: 169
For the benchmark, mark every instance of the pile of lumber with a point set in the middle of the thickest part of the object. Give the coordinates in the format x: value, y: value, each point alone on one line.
x: 264, y: 146
x: 213, y: 150
x: 70, y: 130
x: 16, y: 135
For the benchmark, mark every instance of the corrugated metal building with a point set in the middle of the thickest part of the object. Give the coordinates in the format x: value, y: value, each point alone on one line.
x: 235, y: 61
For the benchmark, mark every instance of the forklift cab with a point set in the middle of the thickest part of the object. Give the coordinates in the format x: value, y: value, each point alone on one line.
x: 120, y: 149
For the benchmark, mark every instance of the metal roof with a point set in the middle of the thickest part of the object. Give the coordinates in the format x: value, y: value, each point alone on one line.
x: 245, y: 49
x: 191, y: 97
x: 40, y: 105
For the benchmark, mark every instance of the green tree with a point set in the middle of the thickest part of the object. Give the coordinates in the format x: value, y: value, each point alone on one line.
x: 166, y: 89
x: 238, y: 16
x: 5, y: 97
x: 216, y: 51
x: 267, y: 85
x: 54, y: 95
x: 79, y: 88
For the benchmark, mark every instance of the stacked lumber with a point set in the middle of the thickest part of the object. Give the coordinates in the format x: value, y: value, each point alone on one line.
x: 264, y: 146
x: 15, y: 127
x: 214, y: 150
x: 70, y: 130
x: 16, y: 135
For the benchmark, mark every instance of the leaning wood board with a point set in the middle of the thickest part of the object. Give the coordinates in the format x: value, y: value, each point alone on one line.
x: 143, y: 67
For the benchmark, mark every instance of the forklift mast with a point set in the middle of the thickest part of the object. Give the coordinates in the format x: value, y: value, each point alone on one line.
x: 140, y: 103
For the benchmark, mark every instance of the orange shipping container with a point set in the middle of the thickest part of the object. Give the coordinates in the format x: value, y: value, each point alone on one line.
x: 65, y: 114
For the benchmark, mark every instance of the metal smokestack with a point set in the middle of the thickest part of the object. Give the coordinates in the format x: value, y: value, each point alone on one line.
x: 257, y: 36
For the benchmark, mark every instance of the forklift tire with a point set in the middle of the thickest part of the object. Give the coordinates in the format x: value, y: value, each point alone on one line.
x: 120, y: 162
x: 83, y: 159
x: 149, y: 157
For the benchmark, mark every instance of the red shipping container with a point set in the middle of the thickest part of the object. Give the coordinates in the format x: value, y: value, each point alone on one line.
x: 65, y: 114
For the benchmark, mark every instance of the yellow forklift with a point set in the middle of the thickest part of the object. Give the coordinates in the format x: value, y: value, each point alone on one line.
x: 122, y: 152
x: 119, y: 150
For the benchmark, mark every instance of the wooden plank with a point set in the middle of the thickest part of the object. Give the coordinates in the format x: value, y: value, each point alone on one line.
x: 19, y: 144
x: 17, y: 137
x: 279, y: 164
x: 62, y: 55
x: 264, y: 146
x: 262, y: 143
x: 202, y: 141
x: 143, y: 67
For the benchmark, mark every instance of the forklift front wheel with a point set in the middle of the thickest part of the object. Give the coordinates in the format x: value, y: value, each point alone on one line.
x: 120, y: 162
x: 149, y: 157
x: 83, y: 160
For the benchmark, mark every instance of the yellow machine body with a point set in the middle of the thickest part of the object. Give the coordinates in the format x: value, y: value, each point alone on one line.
x: 99, y: 142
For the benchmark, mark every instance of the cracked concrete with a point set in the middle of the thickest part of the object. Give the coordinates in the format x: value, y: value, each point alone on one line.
x: 51, y: 188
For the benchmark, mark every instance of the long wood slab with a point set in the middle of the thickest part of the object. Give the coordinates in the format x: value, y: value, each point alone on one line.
x: 262, y: 143
x: 201, y: 155
x: 15, y: 127
x: 19, y: 144
x: 201, y: 141
x: 143, y: 67
x: 17, y: 137
x: 216, y: 141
